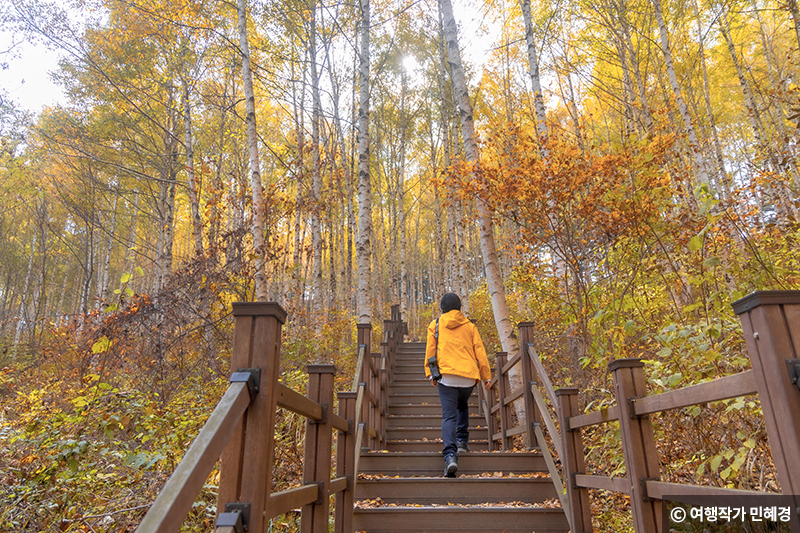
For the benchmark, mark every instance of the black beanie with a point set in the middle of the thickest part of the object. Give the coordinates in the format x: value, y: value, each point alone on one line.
x: 449, y: 302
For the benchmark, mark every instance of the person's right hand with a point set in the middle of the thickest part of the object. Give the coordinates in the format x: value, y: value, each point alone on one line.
x: 434, y: 383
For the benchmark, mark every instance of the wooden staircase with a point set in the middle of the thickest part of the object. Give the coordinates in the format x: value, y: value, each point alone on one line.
x: 402, y: 489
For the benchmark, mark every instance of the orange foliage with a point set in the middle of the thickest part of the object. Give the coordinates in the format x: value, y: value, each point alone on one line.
x: 596, y: 197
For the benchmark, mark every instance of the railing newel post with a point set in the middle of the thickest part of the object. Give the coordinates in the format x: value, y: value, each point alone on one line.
x: 246, y: 463
x: 771, y: 326
x: 375, y: 392
x: 526, y: 330
x: 317, y: 462
x: 345, y: 463
x: 491, y: 419
x: 580, y: 510
x: 504, y: 410
x: 638, y: 443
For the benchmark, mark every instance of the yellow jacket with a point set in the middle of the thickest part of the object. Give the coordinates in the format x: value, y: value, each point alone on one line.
x: 460, y: 351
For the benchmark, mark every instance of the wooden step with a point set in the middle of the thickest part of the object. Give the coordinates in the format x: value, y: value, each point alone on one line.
x: 432, y: 445
x: 456, y: 519
x: 418, y: 409
x: 428, y: 432
x: 429, y: 395
x: 398, y: 363
x: 431, y: 464
x: 403, y: 374
x: 410, y: 356
x: 414, y: 387
x: 461, y: 490
x: 417, y: 421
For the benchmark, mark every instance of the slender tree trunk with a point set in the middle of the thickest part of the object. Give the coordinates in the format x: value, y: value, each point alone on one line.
x: 694, y: 145
x: 259, y: 209
x: 348, y: 215
x: 502, y: 319
x: 722, y: 178
x: 533, y: 71
x: 316, y: 174
x: 364, y: 248
x: 130, y: 254
x: 632, y: 118
x: 22, y: 313
x: 299, y: 174
x: 792, y: 6
x: 755, y: 120
x: 645, y: 112
x: 104, y: 285
x: 401, y: 208
x: 452, y: 237
x: 194, y: 195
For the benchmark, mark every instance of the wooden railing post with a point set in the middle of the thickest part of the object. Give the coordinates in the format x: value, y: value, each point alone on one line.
x: 389, y: 329
x: 638, y: 443
x: 246, y: 464
x: 364, y: 335
x: 375, y: 389
x: 384, y: 371
x: 317, y: 463
x: 345, y: 463
x: 526, y: 332
x: 771, y: 326
x: 580, y: 513
x: 504, y: 409
x: 491, y: 418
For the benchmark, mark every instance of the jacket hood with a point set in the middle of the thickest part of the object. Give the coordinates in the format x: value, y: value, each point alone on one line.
x: 453, y: 319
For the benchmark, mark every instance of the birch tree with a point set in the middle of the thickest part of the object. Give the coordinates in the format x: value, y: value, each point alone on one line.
x: 258, y: 229
x: 363, y: 246
x: 491, y: 265
x: 694, y: 145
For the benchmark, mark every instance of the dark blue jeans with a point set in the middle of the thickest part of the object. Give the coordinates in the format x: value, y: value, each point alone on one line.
x: 455, y: 416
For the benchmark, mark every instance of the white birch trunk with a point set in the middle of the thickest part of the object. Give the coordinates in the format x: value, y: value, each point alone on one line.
x: 194, y: 197
x: 502, y: 320
x: 363, y: 247
x: 645, y: 113
x: 452, y: 239
x: 104, y: 285
x: 722, y: 176
x: 792, y: 5
x: 401, y: 209
x: 694, y: 145
x: 533, y: 71
x: 259, y: 244
x: 316, y: 177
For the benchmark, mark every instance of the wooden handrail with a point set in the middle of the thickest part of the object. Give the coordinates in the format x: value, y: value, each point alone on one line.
x: 725, y: 388
x: 661, y: 490
x: 542, y: 376
x: 606, y: 414
x: 359, y: 364
x: 552, y: 470
x: 175, y: 500
x: 286, y: 500
x: 511, y: 362
x: 297, y: 403
x: 548, y: 422
x: 615, y: 484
